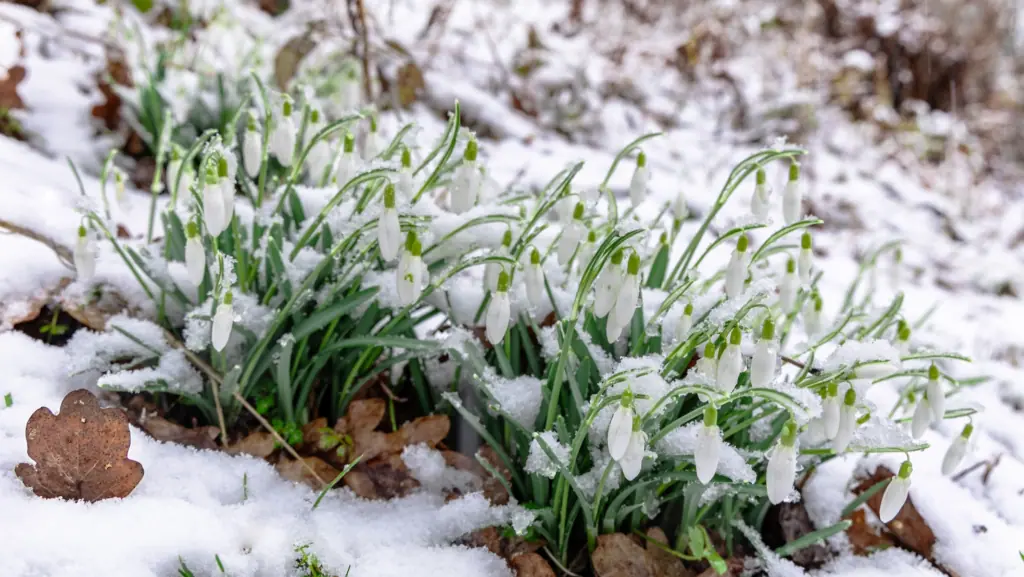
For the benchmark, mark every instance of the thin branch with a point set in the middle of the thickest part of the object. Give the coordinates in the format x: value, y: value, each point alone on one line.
x: 215, y: 381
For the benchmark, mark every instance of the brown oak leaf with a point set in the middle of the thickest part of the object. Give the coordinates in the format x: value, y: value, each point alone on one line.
x: 79, y: 453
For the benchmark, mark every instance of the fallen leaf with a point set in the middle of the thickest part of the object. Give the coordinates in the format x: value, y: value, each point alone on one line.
x: 531, y: 565
x: 93, y: 307
x: 409, y: 79
x: 618, y: 555
x: 9, y: 97
x: 79, y: 453
x: 865, y: 539
x: 383, y: 478
x: 163, y: 430
x: 663, y: 563
x: 295, y: 471
x: 793, y: 523
x: 258, y: 444
x: 287, y: 61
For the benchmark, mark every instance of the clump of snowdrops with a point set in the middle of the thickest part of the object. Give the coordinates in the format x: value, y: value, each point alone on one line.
x: 620, y: 382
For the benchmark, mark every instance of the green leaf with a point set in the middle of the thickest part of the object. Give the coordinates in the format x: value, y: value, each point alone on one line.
x: 864, y: 496
x: 322, y: 317
x: 285, y: 394
x: 812, y: 538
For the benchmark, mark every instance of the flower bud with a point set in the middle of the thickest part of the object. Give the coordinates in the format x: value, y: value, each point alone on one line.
x: 736, y: 272
x: 638, y: 185
x: 762, y: 366
x: 412, y: 273
x: 252, y: 148
x: 760, y: 200
x: 607, y: 286
x: 936, y: 396
x: 282, y: 139
x: 709, y: 444
x: 685, y: 322
x: 621, y: 427
x: 780, y: 474
x: 84, y: 256
x: 791, y: 197
x: 957, y: 450
x: 195, y: 255
x: 222, y: 323
x: 847, y: 422
x: 806, y: 256
x: 895, y: 494
x: 389, y: 234
x: 498, y: 311
x: 730, y: 365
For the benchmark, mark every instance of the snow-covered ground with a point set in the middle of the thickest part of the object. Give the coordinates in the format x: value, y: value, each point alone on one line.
x: 191, y: 504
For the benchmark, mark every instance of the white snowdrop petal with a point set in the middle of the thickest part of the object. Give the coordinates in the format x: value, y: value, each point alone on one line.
x: 893, y: 499
x: 735, y: 275
x: 195, y: 260
x: 954, y: 454
x: 730, y: 365
x: 213, y: 209
x: 222, y: 323
x: 709, y: 443
x: 619, y: 432
x: 762, y: 366
x: 936, y: 400
x: 781, y: 473
x: 632, y: 460
x: 831, y: 416
x: 389, y: 234
x: 921, y: 419
x: 498, y: 314
x: 251, y: 149
x: 85, y: 259
x: 791, y: 202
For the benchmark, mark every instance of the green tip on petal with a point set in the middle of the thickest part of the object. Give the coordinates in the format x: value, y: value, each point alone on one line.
x: 350, y: 143
x: 832, y: 389
x: 968, y: 429
x: 636, y: 423
x: 904, y: 333
x: 506, y: 239
x: 633, y: 267
x: 710, y: 416
x: 933, y: 373
x: 577, y: 213
x: 709, y: 350
x: 851, y: 397
x: 735, y: 337
x: 906, y: 469
x: 805, y: 241
x: 761, y: 176
x: 222, y: 167
x: 406, y: 157
x: 591, y: 237
x: 471, y: 150
x: 742, y: 243
x: 228, y: 298
x: 641, y: 160
x: 286, y: 107
x: 81, y: 231
x: 314, y: 116
x: 688, y: 310
x: 175, y: 152
x: 789, y: 434
x: 389, y: 196
x: 416, y: 249
x: 617, y: 257
x: 373, y: 123
x: 663, y: 239
x: 818, y: 304
x: 410, y: 240
x: 794, y: 171
x: 192, y: 229
x: 535, y: 256
x: 503, y: 282
x: 898, y: 255
x: 768, y: 330
x: 627, y: 398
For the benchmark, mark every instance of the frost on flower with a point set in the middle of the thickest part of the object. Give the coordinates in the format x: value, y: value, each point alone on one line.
x: 682, y: 442
x: 539, y: 463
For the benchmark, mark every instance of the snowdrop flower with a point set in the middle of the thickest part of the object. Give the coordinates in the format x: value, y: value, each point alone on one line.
x: 498, y: 311
x: 709, y: 444
x: 791, y: 198
x: 174, y: 168
x: 895, y: 493
x: 607, y: 286
x: 350, y: 95
x: 847, y: 422
x: 781, y: 472
x: 412, y: 273
x: 804, y: 264
x: 812, y: 314
x: 84, y: 255
x: 571, y: 234
x: 389, y: 233
x: 625, y: 301
x: 319, y: 156
x: 587, y: 250
x: 621, y: 427
x: 282, y: 139
x: 252, y: 147
x: 226, y: 183
x: 936, y: 397
x: 195, y: 254
x: 956, y: 451
x: 373, y: 145
x: 788, y: 287
x: 736, y: 272
x: 894, y: 271
x: 760, y: 201
x: 921, y: 419
x: 492, y: 269
x: 730, y: 365
x: 534, y: 278
x: 638, y: 185
x: 685, y: 322
x: 466, y: 181
x: 119, y: 188
x: 902, y: 338
x: 213, y: 202
x: 222, y: 322
x: 831, y: 413
x: 633, y: 459
x: 346, y: 166
x: 679, y: 207
x: 405, y: 179
x: 762, y: 366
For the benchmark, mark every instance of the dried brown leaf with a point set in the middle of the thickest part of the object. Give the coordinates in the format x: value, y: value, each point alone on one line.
x: 9, y: 97
x: 618, y: 555
x: 431, y: 430
x: 410, y: 84
x: 258, y: 444
x: 295, y: 471
x: 383, y: 478
x: 79, y: 453
x: 531, y: 565
x: 163, y: 430
x: 665, y: 564
x: 288, y: 59
x: 865, y: 539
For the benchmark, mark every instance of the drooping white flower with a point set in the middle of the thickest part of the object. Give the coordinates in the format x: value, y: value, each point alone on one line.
x: 534, y: 278
x: 831, y: 411
x: 213, y: 203
x: 350, y: 94
x: 680, y: 210
x: 389, y: 233
x: 465, y: 189
x: 685, y: 322
x: 621, y: 427
x: 762, y: 366
x: 936, y: 396
x: 223, y: 320
x: 812, y: 314
x: 847, y: 422
x: 252, y: 147
x: 492, y: 269
x: 625, y: 300
x: 412, y: 273
x: 708, y: 363
x: 633, y: 459
x: 792, y: 201
x: 736, y: 272
x: 316, y: 123
x: 405, y: 177
x: 571, y: 234
x: 174, y: 168
x: 282, y: 139
x: 587, y: 250
x: 788, y: 287
x: 957, y: 450
x: 895, y: 494
x: 761, y: 200
x: 227, y: 189
x: 709, y: 445
x: 902, y: 343
x: 119, y: 188
x: 498, y: 311
x: 373, y: 146
x: 638, y: 184
x: 730, y: 365
x: 84, y: 255
x: 921, y: 419
x: 781, y: 471
x: 806, y: 258
x: 607, y: 286
x: 195, y: 254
